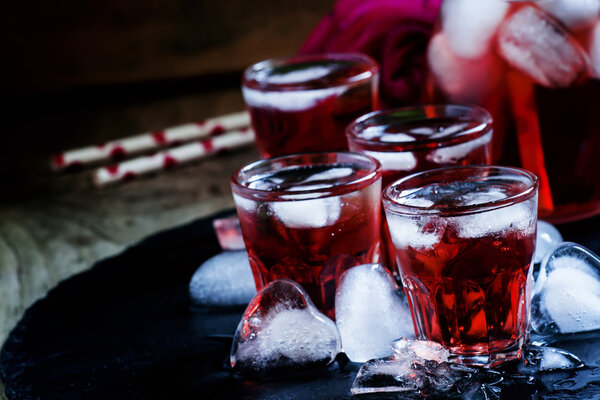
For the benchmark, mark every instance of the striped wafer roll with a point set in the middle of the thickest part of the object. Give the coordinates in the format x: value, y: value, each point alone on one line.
x: 172, y: 157
x: 146, y: 142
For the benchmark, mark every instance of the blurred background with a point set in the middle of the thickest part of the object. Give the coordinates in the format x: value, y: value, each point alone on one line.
x: 80, y: 73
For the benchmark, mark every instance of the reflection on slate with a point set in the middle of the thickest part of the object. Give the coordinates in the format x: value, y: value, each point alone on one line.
x: 125, y: 330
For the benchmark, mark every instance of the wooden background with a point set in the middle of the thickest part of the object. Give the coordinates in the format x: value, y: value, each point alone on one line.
x: 80, y: 73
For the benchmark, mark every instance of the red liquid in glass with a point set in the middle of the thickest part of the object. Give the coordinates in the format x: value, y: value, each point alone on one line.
x: 470, y: 292
x: 466, y: 275
x: 444, y: 150
x: 315, y: 257
x: 311, y: 111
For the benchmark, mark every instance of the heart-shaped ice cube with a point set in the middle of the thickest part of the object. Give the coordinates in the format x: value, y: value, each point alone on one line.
x: 282, y: 330
x: 567, y: 291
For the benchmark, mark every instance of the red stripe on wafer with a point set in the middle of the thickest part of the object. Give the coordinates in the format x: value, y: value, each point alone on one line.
x: 169, y: 161
x: 159, y: 137
x: 117, y: 153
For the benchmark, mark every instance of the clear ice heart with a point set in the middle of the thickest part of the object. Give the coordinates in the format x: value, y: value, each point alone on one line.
x: 567, y: 291
x: 370, y: 312
x: 224, y: 280
x: 282, y: 331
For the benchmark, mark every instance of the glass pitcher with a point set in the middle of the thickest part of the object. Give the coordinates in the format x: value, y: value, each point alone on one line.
x: 535, y: 65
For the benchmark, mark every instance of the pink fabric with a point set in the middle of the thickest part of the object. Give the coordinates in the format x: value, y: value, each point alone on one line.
x: 393, y: 32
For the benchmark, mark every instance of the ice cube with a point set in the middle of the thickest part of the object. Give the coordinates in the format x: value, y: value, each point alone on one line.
x: 397, y: 137
x: 516, y: 217
x: 573, y: 13
x: 282, y: 330
x: 410, y: 232
x: 547, y: 359
x: 244, y: 203
x: 407, y: 371
x: 538, y: 46
x: 394, y: 160
x: 289, y: 100
x: 470, y: 25
x: 370, y: 312
x: 425, y: 349
x: 224, y: 280
x: 567, y: 291
x: 455, y: 153
x: 594, y: 50
x: 299, y: 75
x: 461, y: 79
x: 309, y: 213
x: 449, y: 130
x: 547, y: 238
x: 229, y: 233
x: 330, y: 174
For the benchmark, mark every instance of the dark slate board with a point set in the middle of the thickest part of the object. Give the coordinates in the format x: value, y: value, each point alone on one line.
x: 125, y: 330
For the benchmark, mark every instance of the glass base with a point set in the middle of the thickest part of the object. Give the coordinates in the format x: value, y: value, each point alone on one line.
x: 488, y: 360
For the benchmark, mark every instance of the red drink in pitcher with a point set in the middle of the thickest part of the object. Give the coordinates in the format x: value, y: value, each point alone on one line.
x: 412, y: 139
x: 304, y: 103
x: 535, y: 65
x: 309, y: 218
x: 464, y: 240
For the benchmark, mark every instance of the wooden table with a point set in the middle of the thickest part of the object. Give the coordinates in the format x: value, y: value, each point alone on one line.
x: 82, y: 74
x: 56, y: 226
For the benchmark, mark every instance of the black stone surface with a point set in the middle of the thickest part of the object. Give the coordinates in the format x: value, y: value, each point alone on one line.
x: 125, y: 330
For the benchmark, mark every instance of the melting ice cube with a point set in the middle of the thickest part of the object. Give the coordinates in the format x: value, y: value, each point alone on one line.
x: 547, y: 238
x: 309, y: 213
x: 567, y: 291
x: 299, y: 75
x: 393, y: 160
x: 547, y: 359
x: 423, y: 349
x: 534, y: 43
x: 229, y: 233
x: 289, y: 100
x: 409, y: 232
x: 282, y: 330
x: 370, y: 312
x: 461, y: 79
x: 573, y: 13
x: 224, y: 280
x: 470, y: 25
x: 453, y: 154
x: 411, y: 371
x: 517, y: 217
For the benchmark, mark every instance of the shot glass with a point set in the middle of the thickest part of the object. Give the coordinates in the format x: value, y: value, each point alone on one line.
x: 304, y: 103
x: 309, y: 217
x: 411, y: 139
x: 464, y: 239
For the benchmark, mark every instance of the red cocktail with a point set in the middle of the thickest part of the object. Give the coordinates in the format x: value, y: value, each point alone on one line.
x: 309, y: 217
x: 413, y: 139
x: 535, y: 65
x: 464, y: 240
x: 304, y: 103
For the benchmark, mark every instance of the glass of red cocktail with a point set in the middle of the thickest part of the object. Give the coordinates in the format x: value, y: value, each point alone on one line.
x: 411, y: 139
x: 309, y: 217
x: 535, y: 65
x: 464, y: 240
x: 304, y: 103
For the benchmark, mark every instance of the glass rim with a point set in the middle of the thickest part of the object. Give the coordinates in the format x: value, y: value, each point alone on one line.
x: 481, y: 172
x: 485, y: 120
x: 303, y: 159
x: 248, y: 77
